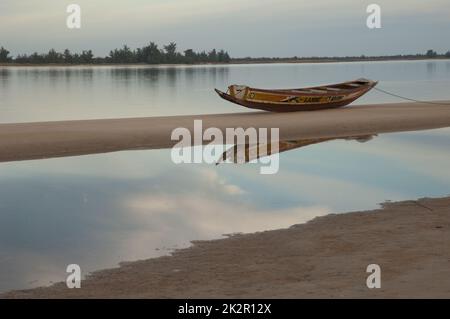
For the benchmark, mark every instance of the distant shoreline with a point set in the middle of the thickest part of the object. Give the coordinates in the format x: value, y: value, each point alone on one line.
x: 240, y: 61
x: 333, y: 60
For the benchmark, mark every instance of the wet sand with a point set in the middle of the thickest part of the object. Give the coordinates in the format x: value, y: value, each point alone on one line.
x: 326, y: 257
x: 69, y: 138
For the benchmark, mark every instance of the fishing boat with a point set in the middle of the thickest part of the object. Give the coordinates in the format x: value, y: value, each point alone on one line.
x: 249, y: 152
x: 303, y: 99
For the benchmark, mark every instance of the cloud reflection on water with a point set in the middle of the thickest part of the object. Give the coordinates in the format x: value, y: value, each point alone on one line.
x: 98, y: 210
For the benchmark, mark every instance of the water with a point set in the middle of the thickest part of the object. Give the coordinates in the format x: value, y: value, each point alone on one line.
x: 64, y: 93
x: 98, y: 210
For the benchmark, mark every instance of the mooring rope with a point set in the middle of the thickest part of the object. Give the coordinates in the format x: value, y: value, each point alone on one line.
x: 407, y: 98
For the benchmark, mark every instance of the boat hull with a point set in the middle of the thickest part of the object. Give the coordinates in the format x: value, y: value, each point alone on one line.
x: 293, y: 100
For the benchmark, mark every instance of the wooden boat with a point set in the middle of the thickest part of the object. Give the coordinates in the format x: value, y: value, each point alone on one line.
x: 303, y: 99
x: 250, y: 152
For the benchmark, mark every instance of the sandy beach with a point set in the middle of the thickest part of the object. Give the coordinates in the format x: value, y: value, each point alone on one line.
x: 69, y: 138
x: 326, y: 257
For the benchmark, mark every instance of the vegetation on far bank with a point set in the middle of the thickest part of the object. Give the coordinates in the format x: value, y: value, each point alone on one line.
x: 150, y: 54
x: 168, y: 54
x: 430, y: 54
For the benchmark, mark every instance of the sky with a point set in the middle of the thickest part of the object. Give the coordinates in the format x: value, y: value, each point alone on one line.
x: 244, y: 28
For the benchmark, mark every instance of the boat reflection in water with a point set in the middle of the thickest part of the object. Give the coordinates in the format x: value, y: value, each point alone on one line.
x: 240, y: 154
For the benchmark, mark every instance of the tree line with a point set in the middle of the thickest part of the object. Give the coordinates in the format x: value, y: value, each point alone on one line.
x: 150, y: 54
x: 168, y: 54
x: 429, y: 54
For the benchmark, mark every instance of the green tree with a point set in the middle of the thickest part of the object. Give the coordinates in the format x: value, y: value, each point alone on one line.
x: 171, y: 52
x: 190, y: 56
x: 152, y: 54
x: 53, y: 57
x: 227, y: 57
x: 86, y: 56
x: 431, y: 53
x: 114, y: 55
x: 212, y: 56
x: 124, y: 55
x: 447, y: 54
x: 68, y: 58
x: 203, y: 56
x: 76, y: 59
x: 223, y: 57
x: 22, y: 58
x: 37, y: 58
x: 4, y: 55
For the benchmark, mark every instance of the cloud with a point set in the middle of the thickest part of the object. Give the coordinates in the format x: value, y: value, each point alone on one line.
x: 421, y: 152
x: 78, y: 213
x: 253, y: 27
x: 209, y: 217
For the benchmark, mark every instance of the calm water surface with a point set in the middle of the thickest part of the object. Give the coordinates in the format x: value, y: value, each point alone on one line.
x: 60, y: 93
x: 98, y: 210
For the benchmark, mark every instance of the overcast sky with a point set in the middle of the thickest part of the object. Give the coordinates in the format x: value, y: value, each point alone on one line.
x: 243, y: 27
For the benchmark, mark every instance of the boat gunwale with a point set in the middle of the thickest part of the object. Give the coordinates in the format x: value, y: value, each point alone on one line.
x: 298, y: 92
